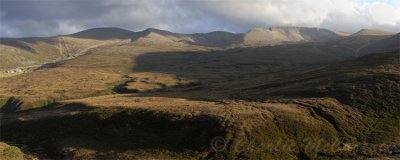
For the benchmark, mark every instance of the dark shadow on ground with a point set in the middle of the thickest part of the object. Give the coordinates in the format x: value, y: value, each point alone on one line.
x: 12, y: 104
x: 225, y: 71
x: 116, y: 130
x: 234, y: 63
x: 297, y: 70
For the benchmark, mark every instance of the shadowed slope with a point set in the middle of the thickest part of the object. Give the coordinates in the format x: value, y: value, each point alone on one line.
x: 151, y: 127
x: 385, y: 45
x: 103, y: 33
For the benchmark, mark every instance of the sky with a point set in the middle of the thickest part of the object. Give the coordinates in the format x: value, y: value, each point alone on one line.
x: 27, y: 18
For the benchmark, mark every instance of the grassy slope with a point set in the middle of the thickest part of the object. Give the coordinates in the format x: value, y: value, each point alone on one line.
x: 90, y: 75
x: 178, y: 128
x: 26, y: 52
x: 10, y: 152
x: 122, y: 124
x: 369, y: 84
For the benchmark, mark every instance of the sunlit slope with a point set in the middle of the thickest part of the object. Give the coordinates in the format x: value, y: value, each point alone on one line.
x: 27, y: 52
x: 92, y: 74
x: 282, y: 35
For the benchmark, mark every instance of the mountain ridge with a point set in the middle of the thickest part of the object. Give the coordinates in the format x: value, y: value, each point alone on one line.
x: 279, y: 35
x: 371, y: 32
x: 32, y: 51
x: 154, y: 93
x: 102, y: 33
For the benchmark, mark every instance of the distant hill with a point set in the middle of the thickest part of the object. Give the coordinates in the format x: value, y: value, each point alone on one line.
x: 356, y: 45
x: 34, y: 51
x: 217, y: 38
x: 211, y: 39
x: 254, y: 37
x: 279, y: 35
x: 156, y: 37
x: 103, y: 33
x: 372, y: 32
x: 26, y: 52
x: 385, y: 45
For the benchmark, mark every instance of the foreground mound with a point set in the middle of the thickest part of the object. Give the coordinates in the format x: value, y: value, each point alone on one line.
x: 10, y: 152
x: 152, y: 127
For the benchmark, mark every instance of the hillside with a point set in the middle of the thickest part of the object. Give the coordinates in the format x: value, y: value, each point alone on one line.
x: 109, y: 93
x: 372, y: 32
x: 30, y: 53
x: 211, y: 39
x: 27, y: 51
x: 26, y: 54
x: 279, y: 35
x: 385, y: 45
x: 158, y: 56
x: 103, y: 33
x: 356, y: 45
x: 155, y: 37
x: 217, y: 39
x: 165, y: 125
x: 316, y: 107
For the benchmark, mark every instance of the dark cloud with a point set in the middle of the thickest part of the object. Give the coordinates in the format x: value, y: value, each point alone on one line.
x: 52, y: 9
x: 20, y: 18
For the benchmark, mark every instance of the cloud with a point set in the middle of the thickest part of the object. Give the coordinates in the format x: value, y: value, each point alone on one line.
x: 384, y: 14
x: 344, y: 15
x: 47, y: 17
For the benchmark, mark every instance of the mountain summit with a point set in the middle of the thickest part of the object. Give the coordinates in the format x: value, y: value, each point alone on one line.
x: 103, y: 33
x: 279, y: 35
